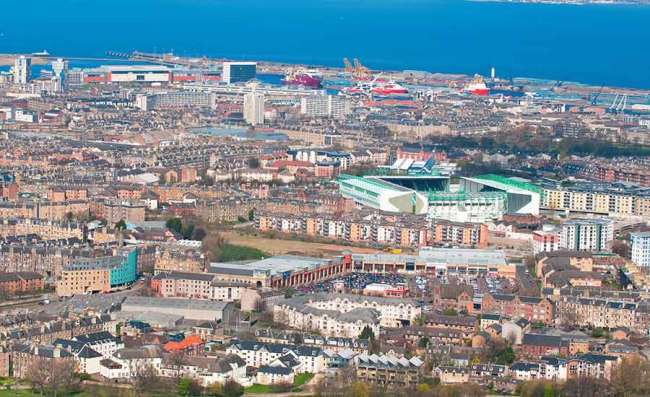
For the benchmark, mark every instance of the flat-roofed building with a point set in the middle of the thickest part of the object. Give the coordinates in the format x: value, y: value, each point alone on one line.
x: 238, y: 72
x: 204, y: 310
x: 461, y: 262
x: 281, y: 271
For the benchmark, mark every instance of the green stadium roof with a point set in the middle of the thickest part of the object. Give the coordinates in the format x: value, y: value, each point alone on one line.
x: 512, y: 182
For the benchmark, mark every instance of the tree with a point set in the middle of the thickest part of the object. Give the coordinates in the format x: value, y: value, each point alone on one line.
x: 253, y: 162
x: 55, y: 376
x: 538, y: 388
x: 187, y: 231
x: 198, y: 234
x: 174, y: 224
x: 450, y: 312
x: 189, y: 387
x: 597, y: 332
x: 281, y: 387
x: 631, y: 378
x: 120, y: 225
x: 360, y: 389
x: 214, y: 389
x: 289, y: 292
x: 568, y: 318
x: 145, y: 378
x: 251, y: 214
x: 505, y: 356
x: 232, y: 389
x: 367, y: 333
x: 585, y: 387
x: 620, y: 248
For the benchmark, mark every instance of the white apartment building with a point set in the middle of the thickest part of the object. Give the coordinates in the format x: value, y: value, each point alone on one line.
x: 328, y: 323
x: 256, y: 354
x: 127, y: 363
x: 228, y: 291
x: 254, y: 108
x: 641, y: 248
x: 22, y: 70
x: 391, y: 312
x: 325, y: 106
x: 587, y: 235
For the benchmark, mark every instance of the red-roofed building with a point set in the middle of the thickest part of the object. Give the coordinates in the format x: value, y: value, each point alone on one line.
x: 292, y: 165
x: 190, y: 343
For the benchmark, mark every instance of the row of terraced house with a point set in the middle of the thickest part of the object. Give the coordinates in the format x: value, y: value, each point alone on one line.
x: 400, y: 230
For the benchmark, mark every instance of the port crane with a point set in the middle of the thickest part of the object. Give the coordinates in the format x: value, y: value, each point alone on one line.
x: 357, y: 70
x: 618, y: 104
x: 594, y: 98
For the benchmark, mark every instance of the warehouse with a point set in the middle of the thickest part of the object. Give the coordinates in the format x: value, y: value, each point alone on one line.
x: 201, y: 310
x: 281, y: 271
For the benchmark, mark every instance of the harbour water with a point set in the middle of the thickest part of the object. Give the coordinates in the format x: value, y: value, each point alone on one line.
x: 596, y: 44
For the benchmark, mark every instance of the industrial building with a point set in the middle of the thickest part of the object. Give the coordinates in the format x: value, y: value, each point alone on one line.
x: 127, y: 74
x: 186, y: 308
x: 281, y: 271
x: 442, y: 262
x: 238, y: 72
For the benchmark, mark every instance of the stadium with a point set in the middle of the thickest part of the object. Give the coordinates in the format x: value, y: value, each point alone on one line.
x: 477, y: 199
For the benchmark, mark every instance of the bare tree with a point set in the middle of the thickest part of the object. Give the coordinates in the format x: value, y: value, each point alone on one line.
x: 631, y: 378
x: 53, y: 376
x: 568, y: 317
x: 585, y: 387
x: 146, y: 378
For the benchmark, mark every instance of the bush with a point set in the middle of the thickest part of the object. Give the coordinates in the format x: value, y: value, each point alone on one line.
x: 281, y: 387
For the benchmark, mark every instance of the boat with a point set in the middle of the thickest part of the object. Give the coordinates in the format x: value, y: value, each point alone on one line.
x: 306, y: 78
x: 477, y: 87
x: 378, y: 87
x: 387, y: 88
x: 43, y: 53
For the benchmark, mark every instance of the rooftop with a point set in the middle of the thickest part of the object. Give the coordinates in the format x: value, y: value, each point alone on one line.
x: 173, y: 303
x: 463, y: 256
x: 271, y: 266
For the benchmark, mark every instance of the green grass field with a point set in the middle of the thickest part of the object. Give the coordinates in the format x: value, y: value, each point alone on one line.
x: 298, y: 381
x: 301, y: 379
x: 256, y: 388
x: 17, y: 393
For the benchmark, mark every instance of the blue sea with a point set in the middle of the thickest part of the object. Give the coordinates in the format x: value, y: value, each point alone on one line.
x: 596, y: 44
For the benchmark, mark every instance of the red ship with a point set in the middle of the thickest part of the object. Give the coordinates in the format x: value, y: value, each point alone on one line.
x: 386, y: 88
x: 304, y: 78
x: 477, y: 87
